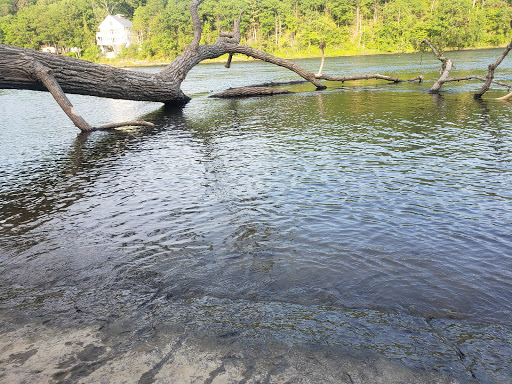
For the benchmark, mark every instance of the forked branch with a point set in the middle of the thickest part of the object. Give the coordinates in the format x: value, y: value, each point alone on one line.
x: 195, y: 53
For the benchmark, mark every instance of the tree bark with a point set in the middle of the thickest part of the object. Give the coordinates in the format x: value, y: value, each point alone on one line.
x: 83, y: 77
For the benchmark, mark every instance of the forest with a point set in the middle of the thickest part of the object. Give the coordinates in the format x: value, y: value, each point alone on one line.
x: 289, y: 28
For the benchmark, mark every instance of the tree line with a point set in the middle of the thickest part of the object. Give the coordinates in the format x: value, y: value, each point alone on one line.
x: 290, y: 28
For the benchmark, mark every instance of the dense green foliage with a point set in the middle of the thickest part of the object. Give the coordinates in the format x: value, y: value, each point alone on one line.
x: 285, y: 27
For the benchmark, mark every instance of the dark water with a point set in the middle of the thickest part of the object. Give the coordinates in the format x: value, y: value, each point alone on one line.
x: 369, y: 197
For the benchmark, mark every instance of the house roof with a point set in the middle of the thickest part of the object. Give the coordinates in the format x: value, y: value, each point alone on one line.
x: 119, y: 19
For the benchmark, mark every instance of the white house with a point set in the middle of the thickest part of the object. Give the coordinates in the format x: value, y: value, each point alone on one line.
x: 115, y: 32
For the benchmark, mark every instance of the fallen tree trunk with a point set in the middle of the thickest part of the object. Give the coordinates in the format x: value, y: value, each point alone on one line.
x: 83, y: 77
x: 27, y: 69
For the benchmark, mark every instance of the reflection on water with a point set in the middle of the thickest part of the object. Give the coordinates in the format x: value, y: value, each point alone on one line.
x: 365, y: 197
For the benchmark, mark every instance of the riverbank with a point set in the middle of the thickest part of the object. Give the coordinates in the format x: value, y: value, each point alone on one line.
x: 221, y: 347
x: 42, y: 354
x: 121, y: 352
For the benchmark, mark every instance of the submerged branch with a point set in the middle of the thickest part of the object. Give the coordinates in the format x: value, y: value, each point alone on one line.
x: 480, y: 78
x: 250, y: 91
x: 367, y: 77
x: 490, y: 73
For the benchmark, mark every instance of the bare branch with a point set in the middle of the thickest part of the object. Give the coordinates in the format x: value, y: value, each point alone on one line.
x: 44, y: 74
x: 236, y: 48
x: 438, y: 54
x: 196, y: 23
x: 135, y: 123
x: 446, y: 67
x: 322, y: 46
x: 452, y: 79
x: 506, y: 97
x: 366, y: 77
x: 490, y: 73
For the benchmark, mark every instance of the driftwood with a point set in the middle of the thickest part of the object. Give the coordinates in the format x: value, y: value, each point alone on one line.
x: 367, y: 77
x: 250, y: 91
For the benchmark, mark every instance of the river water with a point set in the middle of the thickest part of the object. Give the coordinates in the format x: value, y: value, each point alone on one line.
x: 297, y: 214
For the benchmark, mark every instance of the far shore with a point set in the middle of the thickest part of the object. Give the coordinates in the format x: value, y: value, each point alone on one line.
x: 137, y: 63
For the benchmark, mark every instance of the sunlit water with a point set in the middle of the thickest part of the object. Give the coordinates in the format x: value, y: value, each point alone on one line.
x: 367, y: 196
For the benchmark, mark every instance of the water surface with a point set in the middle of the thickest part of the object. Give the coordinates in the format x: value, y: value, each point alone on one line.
x: 369, y: 197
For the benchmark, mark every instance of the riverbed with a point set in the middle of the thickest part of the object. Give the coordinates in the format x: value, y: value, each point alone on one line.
x: 369, y: 223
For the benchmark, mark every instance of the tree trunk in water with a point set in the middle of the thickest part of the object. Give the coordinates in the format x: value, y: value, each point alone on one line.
x: 27, y: 69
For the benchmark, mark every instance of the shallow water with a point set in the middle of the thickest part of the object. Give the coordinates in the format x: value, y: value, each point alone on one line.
x: 365, y: 197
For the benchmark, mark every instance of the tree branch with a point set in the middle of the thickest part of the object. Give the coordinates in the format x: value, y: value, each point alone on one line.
x: 446, y: 67
x: 452, y: 79
x: 44, y: 74
x: 367, y: 77
x: 196, y: 22
x: 319, y: 74
x: 506, y: 97
x: 490, y: 73
x: 178, y: 69
x: 248, y: 51
x: 236, y: 36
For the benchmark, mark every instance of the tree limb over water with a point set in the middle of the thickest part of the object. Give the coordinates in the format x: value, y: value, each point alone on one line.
x: 27, y: 69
